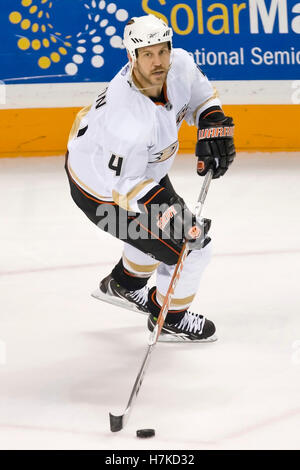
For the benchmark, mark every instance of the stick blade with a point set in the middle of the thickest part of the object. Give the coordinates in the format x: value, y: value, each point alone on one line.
x: 116, y: 422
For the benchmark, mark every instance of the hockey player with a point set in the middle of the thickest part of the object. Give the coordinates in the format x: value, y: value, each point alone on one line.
x: 119, y: 153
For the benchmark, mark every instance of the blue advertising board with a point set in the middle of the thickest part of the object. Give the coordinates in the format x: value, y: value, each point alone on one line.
x: 52, y: 41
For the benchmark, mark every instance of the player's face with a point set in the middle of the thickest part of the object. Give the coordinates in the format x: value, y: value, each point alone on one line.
x: 152, y: 65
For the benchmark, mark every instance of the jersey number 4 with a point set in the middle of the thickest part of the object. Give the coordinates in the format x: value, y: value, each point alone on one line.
x: 115, y: 164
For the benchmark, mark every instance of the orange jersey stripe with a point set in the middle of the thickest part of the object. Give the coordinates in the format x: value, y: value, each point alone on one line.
x: 90, y: 197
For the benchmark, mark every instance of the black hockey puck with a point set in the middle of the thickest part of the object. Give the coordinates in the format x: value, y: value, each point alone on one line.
x: 145, y: 433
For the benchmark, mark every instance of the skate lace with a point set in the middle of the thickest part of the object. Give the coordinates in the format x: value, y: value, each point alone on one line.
x: 191, y: 322
x: 140, y: 296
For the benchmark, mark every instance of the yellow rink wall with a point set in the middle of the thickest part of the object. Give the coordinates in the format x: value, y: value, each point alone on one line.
x: 44, y: 131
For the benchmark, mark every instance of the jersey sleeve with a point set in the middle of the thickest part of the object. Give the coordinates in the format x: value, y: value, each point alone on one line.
x: 203, y: 94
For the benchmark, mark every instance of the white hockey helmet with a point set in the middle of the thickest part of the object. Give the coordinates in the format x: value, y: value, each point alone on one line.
x: 145, y: 31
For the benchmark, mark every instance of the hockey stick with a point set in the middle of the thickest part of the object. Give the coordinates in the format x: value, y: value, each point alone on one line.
x: 118, y: 422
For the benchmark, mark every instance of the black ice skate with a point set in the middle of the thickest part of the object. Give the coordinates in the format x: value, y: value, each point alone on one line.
x: 112, y: 292
x: 192, y: 328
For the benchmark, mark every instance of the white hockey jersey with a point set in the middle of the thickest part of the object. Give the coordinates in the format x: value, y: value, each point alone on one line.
x: 124, y: 144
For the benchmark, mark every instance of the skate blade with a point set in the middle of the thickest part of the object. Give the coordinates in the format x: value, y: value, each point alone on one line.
x: 169, y: 338
x: 98, y: 294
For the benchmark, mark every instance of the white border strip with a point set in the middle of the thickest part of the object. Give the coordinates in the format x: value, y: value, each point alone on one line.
x: 65, y: 95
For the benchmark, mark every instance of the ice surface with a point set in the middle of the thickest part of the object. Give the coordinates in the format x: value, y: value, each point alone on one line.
x: 66, y: 359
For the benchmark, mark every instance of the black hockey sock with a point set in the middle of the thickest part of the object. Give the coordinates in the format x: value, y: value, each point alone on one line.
x: 173, y: 316
x: 126, y: 279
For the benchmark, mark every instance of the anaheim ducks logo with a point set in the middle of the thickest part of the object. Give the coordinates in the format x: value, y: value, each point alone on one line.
x: 166, y: 153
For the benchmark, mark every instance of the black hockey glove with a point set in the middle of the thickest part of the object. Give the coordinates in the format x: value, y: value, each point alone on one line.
x: 169, y: 218
x: 215, y: 147
x: 178, y: 223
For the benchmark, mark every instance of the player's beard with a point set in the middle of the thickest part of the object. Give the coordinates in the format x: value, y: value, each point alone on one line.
x: 150, y: 80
